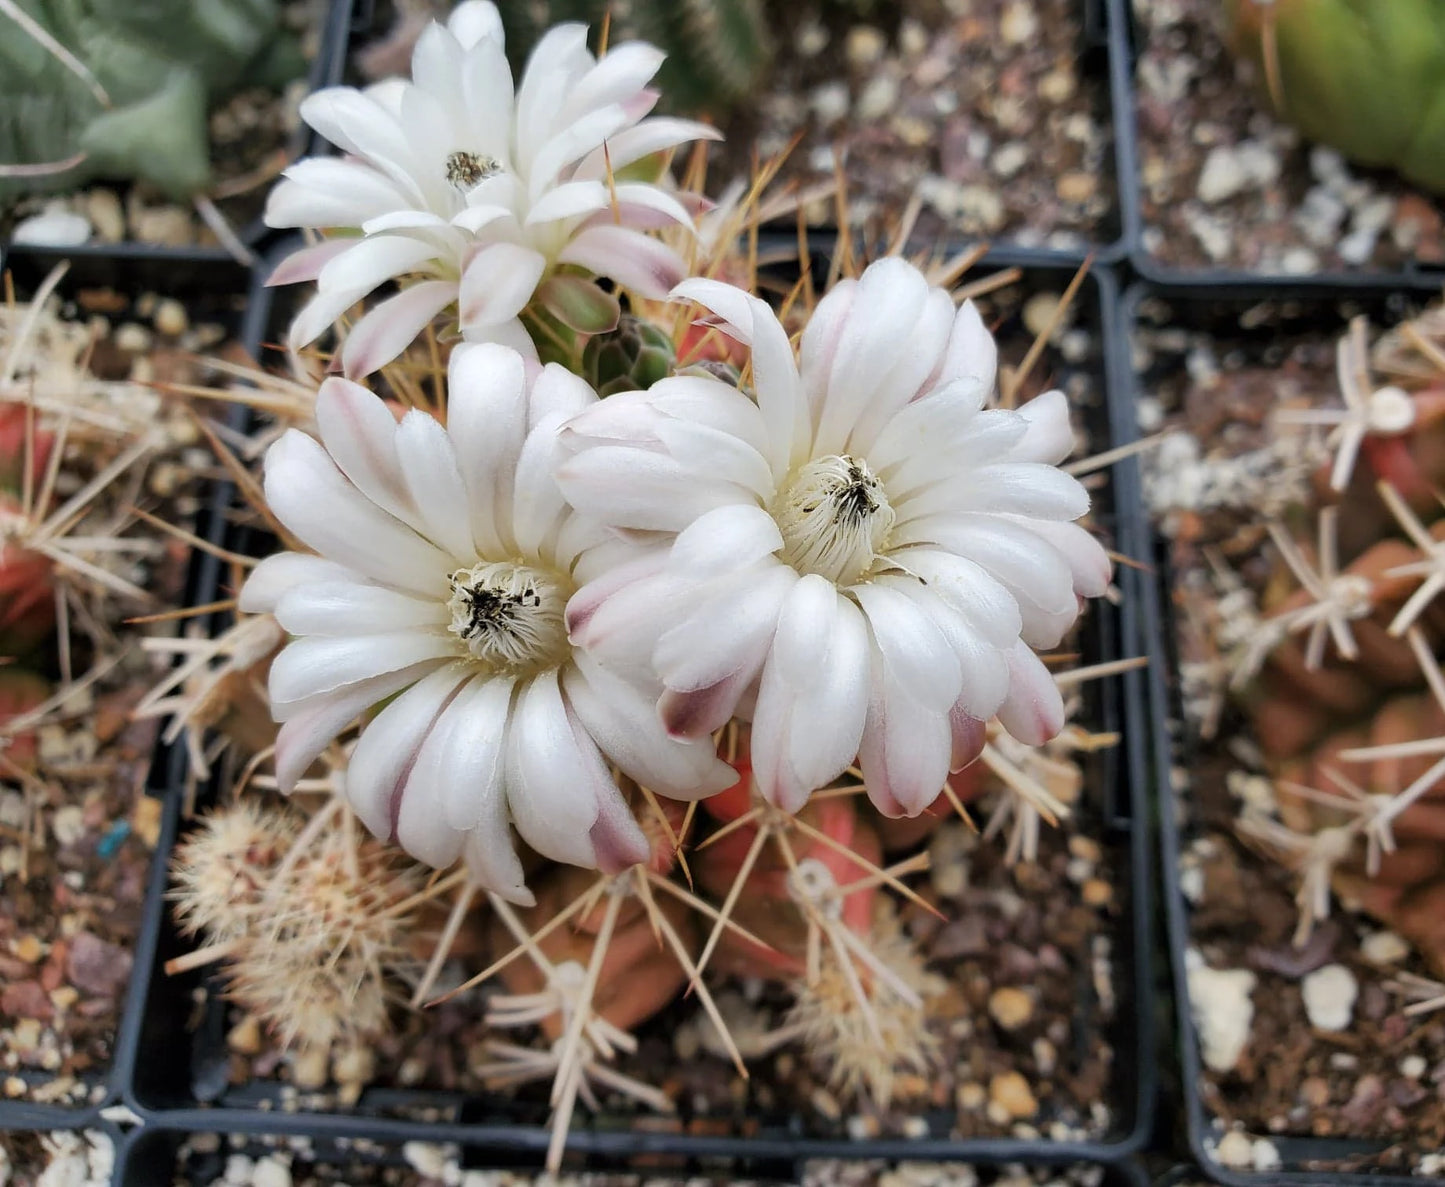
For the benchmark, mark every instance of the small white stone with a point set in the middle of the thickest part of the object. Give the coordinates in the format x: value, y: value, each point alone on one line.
x: 1329, y: 995
x: 426, y: 1158
x: 1235, y: 1149
x: 812, y: 39
x: 1357, y: 247
x: 1376, y: 214
x: 1264, y: 1154
x: 1212, y: 233
x: 822, y: 159
x: 53, y: 227
x: 1320, y: 216
x: 68, y: 824
x: 1412, y: 1067
x: 271, y: 1172
x: 1384, y: 947
x: 238, y: 1170
x: 1232, y: 169
x: 829, y: 102
x: 1299, y: 261
x: 915, y: 1128
x: 1222, y: 176
x: 1223, y: 1012
x: 1328, y: 165
x: 865, y: 45
x: 1019, y: 23
x: 1009, y: 159
x: 878, y: 97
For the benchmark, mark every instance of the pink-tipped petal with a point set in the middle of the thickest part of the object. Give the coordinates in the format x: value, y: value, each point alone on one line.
x: 302, y: 738
x: 306, y: 263
x: 969, y: 735
x: 393, y: 325
x: 1033, y: 711
x: 636, y: 261
x: 906, y: 749
x: 497, y: 284
x: 388, y: 746
x: 282, y: 571
x: 696, y: 715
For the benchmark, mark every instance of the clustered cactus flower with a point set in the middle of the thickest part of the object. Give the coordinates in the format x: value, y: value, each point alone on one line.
x: 481, y: 196
x: 1366, y: 77
x: 632, y: 618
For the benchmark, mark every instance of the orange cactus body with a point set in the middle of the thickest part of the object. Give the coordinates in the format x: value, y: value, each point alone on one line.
x: 20, y: 692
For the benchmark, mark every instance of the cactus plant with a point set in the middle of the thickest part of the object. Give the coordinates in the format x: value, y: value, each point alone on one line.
x: 1365, y: 77
x: 136, y: 106
x: 632, y: 357
x: 717, y: 50
x: 1340, y: 673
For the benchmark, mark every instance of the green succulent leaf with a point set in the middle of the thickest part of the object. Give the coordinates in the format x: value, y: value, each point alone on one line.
x: 160, y: 63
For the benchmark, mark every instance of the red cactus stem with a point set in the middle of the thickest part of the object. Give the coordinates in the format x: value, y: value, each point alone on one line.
x: 1420, y: 917
x: 767, y: 908
x: 21, y: 436
x: 27, y: 599
x: 1392, y: 460
x: 639, y: 976
x: 20, y: 692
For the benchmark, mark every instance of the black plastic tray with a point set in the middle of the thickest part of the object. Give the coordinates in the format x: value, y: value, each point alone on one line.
x: 326, y: 70
x: 154, y: 1158
x: 1295, y: 1152
x: 169, y: 1068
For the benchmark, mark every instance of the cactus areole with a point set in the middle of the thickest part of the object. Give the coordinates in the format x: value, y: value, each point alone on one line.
x: 1364, y: 76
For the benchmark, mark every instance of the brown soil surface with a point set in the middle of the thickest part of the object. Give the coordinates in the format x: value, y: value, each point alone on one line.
x: 1226, y: 185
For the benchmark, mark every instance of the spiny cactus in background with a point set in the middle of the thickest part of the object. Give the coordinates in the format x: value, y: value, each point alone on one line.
x: 133, y: 104
x: 1365, y: 76
x: 1341, y: 674
x: 717, y: 50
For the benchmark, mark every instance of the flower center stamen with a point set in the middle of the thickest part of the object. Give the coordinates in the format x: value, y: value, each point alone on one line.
x: 510, y: 616
x: 834, y: 517
x: 466, y: 169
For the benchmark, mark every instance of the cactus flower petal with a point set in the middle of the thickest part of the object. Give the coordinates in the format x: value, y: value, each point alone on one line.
x: 452, y: 173
x: 443, y: 583
x: 879, y: 595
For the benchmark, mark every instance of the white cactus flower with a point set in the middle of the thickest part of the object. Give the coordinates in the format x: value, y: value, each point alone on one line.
x: 446, y: 557
x: 474, y: 194
x: 862, y: 542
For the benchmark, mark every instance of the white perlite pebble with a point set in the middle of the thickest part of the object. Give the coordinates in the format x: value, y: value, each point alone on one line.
x: 1329, y: 995
x: 52, y: 228
x: 238, y: 1170
x: 271, y: 1172
x: 830, y: 102
x: 1229, y: 170
x: 1384, y: 947
x: 1412, y: 1067
x: 1235, y: 1149
x: 1223, y: 1011
x: 427, y: 1158
x: 1264, y: 1155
